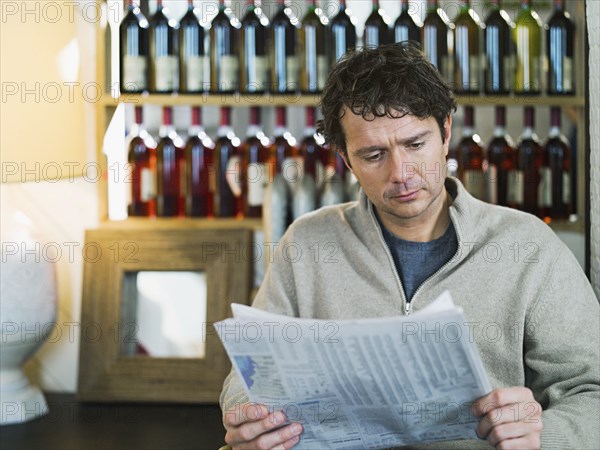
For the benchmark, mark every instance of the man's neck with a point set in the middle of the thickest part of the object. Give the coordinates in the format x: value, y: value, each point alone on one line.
x: 421, y: 229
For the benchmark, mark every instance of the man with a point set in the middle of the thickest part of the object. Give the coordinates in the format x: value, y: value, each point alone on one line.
x: 415, y: 233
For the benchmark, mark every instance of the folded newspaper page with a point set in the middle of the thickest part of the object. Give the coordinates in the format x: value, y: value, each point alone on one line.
x: 367, y: 383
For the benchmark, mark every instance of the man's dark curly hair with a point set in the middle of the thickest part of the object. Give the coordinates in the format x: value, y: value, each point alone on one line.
x: 392, y: 80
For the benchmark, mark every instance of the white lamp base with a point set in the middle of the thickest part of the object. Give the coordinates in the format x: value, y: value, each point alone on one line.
x: 19, y: 401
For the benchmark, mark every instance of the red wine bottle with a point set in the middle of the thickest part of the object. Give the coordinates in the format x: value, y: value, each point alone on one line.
x: 556, y: 172
x: 256, y: 172
x: 227, y: 166
x: 164, y: 52
x: 436, y: 30
x: 224, y: 60
x: 313, y: 56
x: 405, y: 27
x: 134, y: 50
x: 467, y: 59
x: 499, y: 51
x: 254, y: 57
x: 470, y: 158
x: 342, y: 32
x: 170, y: 160
x: 283, y: 147
x: 200, y: 169
x: 285, y: 61
x: 502, y: 161
x: 192, y: 53
x: 377, y: 27
x: 560, y: 48
x: 530, y: 156
x: 310, y: 150
x: 142, y: 162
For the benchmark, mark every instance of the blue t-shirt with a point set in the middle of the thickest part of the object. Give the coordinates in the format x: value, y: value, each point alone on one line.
x: 417, y: 261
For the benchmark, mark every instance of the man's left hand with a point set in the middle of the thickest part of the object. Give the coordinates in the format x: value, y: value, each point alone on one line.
x: 509, y: 418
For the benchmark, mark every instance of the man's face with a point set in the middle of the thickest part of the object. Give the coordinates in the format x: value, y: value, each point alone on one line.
x: 400, y: 164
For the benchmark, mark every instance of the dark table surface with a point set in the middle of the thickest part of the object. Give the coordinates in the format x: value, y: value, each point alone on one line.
x: 73, y: 425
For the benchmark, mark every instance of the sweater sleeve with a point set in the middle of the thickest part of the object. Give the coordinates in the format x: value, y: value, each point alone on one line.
x: 562, y: 342
x: 276, y: 294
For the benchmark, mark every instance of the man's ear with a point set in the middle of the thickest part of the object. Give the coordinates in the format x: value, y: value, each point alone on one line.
x: 448, y: 130
x: 345, y: 158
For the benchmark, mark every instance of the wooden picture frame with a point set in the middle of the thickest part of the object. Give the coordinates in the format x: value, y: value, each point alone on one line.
x: 105, y: 374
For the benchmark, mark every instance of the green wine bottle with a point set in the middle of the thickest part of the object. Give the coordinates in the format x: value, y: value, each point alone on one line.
x: 528, y: 39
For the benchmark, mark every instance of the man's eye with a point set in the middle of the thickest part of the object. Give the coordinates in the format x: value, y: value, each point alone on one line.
x: 374, y: 157
x: 416, y: 145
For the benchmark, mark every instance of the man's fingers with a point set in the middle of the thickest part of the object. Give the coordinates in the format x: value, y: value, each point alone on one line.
x: 515, y: 435
x: 284, y: 438
x: 527, y: 413
x: 249, y: 431
x: 501, y: 397
x: 244, y: 413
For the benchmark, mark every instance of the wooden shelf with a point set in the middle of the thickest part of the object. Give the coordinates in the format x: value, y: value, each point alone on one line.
x: 312, y: 100
x: 163, y: 223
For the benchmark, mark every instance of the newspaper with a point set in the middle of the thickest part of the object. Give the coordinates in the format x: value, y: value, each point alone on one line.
x: 366, y: 383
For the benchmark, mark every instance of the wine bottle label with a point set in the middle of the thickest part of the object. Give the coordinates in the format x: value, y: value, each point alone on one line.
x: 134, y: 73
x: 566, y: 197
x: 509, y: 70
x: 194, y: 72
x: 447, y: 68
x: 474, y: 182
x: 257, y: 179
x: 258, y: 74
x: 567, y: 74
x: 452, y: 166
x: 291, y: 169
x: 492, y: 184
x: 228, y: 73
x: 322, y: 71
x: 515, y: 186
x: 147, y: 184
x: 545, y: 188
x: 167, y: 73
x: 291, y: 69
x: 212, y: 179
x: 474, y: 70
x: 536, y: 76
x: 233, y: 175
x: 129, y: 168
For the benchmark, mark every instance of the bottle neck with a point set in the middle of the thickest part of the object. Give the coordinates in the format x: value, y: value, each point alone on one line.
x: 403, y: 6
x: 432, y: 6
x: 167, y: 131
x: 468, y: 131
x: 559, y: 5
x: 554, y: 132
x: 499, y: 131
x: 528, y: 133
x: 375, y: 5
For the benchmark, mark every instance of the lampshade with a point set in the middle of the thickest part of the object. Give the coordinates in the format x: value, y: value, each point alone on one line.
x: 42, y: 108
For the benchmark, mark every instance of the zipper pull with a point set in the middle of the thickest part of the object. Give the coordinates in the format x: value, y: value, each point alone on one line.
x: 407, y: 307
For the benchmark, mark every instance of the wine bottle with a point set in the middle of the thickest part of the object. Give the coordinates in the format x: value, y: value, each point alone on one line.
x: 556, y: 172
x: 285, y: 62
x: 467, y: 59
x: 405, y: 27
x: 313, y: 56
x: 470, y: 158
x: 193, y: 57
x: 528, y: 39
x: 133, y: 33
x: 310, y: 150
x: 256, y: 172
x: 227, y: 164
x: 283, y: 155
x: 342, y: 32
x: 164, y: 51
x: 499, y: 51
x: 200, y: 169
x: 530, y: 156
x: 560, y: 48
x: 141, y: 157
x: 170, y: 165
x: 332, y: 188
x: 276, y: 210
x: 502, y: 160
x: 254, y: 59
x: 377, y: 27
x: 436, y: 31
x: 224, y: 61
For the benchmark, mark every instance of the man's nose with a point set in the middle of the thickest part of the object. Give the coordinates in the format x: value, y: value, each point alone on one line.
x: 401, y: 169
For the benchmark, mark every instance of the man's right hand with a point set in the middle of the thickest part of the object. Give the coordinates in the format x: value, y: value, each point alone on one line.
x: 251, y: 426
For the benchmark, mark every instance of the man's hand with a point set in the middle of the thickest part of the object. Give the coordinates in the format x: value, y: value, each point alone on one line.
x: 510, y: 418
x: 250, y: 426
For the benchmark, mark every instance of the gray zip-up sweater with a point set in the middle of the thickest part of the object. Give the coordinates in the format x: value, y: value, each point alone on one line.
x: 533, y: 314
